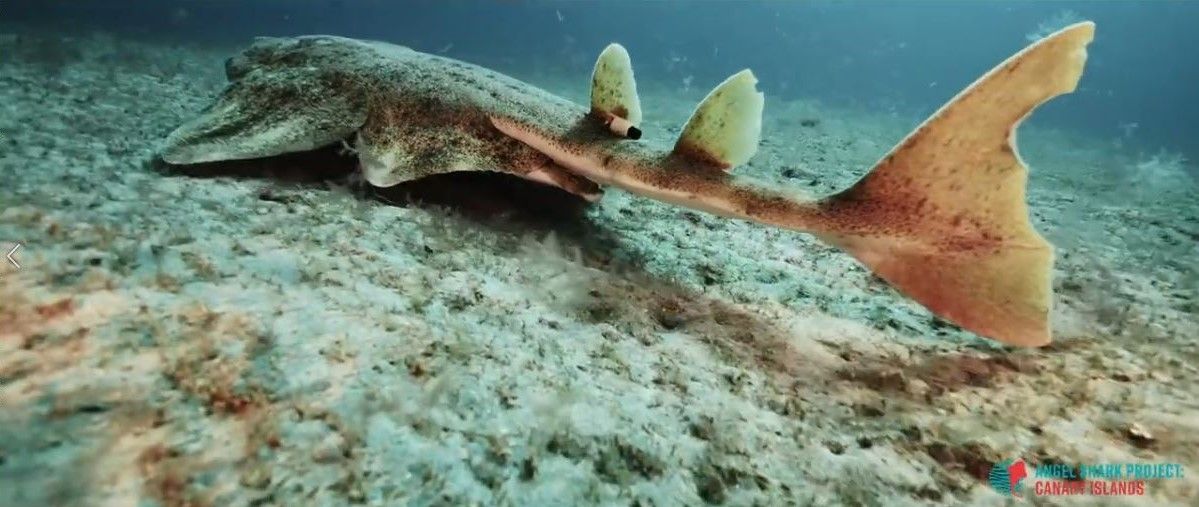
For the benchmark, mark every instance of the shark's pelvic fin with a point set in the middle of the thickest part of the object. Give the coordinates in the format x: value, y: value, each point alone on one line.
x: 614, y: 92
x: 725, y: 129
x: 943, y: 217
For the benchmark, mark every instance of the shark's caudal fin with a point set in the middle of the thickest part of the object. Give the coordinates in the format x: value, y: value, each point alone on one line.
x: 943, y: 217
x: 614, y: 92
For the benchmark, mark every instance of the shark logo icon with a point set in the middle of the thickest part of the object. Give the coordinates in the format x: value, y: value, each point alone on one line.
x: 1006, y: 477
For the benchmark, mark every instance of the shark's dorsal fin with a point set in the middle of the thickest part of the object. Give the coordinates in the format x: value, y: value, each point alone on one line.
x: 614, y: 92
x: 724, y: 130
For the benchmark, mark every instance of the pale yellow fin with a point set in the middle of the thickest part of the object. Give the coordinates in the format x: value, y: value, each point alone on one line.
x: 725, y: 129
x: 943, y: 216
x: 614, y: 92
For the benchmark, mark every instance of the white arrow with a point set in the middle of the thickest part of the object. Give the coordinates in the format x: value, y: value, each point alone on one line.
x: 10, y: 254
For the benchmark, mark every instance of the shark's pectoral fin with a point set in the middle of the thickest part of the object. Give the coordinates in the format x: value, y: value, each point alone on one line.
x: 725, y: 129
x: 614, y: 98
x: 391, y: 153
x: 265, y: 114
x: 557, y: 176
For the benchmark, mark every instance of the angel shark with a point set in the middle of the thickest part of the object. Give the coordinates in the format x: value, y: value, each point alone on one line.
x: 942, y: 217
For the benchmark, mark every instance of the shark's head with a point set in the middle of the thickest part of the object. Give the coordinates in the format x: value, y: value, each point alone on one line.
x: 282, y: 52
x: 284, y: 96
x: 264, y: 52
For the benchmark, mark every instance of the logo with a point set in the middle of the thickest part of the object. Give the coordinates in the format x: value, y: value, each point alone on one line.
x: 1006, y: 477
x: 1015, y: 478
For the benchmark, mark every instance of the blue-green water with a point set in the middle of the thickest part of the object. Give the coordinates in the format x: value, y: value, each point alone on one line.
x: 1139, y: 84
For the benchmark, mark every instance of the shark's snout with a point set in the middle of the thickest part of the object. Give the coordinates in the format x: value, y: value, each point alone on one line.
x: 237, y: 66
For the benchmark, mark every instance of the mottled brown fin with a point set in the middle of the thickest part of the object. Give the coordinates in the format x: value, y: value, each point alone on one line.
x: 943, y: 216
x: 391, y: 152
x: 614, y: 92
x: 394, y: 152
x: 264, y: 114
x: 725, y: 129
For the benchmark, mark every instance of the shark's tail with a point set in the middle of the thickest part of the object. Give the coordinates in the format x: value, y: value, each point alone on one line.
x: 943, y: 218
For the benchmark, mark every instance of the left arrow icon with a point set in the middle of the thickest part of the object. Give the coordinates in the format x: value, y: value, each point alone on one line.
x: 13, y: 252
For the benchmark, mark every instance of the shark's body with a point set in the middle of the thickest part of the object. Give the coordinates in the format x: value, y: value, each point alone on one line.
x: 409, y: 114
x: 942, y: 217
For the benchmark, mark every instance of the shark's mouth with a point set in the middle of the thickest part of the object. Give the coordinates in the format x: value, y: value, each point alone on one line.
x: 326, y: 163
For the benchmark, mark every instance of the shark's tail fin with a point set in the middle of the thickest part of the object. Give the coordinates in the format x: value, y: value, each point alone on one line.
x: 943, y: 217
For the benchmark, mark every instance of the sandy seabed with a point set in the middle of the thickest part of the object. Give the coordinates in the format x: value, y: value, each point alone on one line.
x: 218, y: 339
